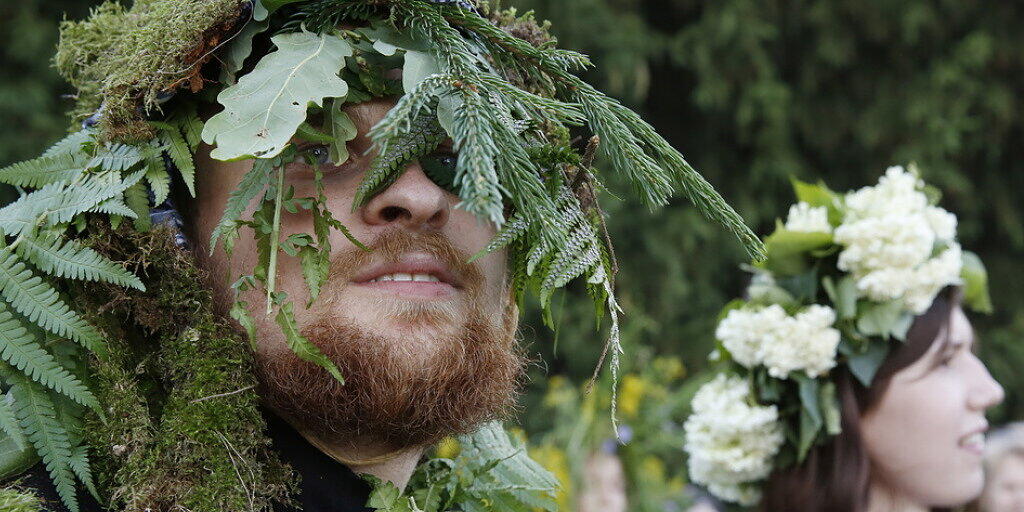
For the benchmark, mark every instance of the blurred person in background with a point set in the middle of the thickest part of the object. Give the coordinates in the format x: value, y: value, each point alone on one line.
x: 1004, y: 470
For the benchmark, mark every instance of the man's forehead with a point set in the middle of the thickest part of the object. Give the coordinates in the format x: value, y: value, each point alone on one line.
x: 368, y: 113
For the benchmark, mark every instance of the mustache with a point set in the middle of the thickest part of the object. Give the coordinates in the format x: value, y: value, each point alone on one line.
x: 390, y: 246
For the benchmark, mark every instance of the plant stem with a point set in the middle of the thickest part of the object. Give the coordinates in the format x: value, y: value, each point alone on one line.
x: 275, y: 236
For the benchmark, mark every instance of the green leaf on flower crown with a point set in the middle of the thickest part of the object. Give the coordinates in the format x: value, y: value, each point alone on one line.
x: 830, y: 407
x: 885, y: 319
x: 975, y: 279
x: 820, y: 195
x: 302, y: 347
x: 843, y: 295
x: 810, y: 414
x: 864, y: 365
x: 787, y: 250
x: 265, y: 108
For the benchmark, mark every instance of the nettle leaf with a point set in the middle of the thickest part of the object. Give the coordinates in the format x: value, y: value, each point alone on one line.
x: 302, y: 347
x: 265, y: 108
x: 975, y: 278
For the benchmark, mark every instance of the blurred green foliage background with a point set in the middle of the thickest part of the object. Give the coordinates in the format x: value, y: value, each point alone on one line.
x: 753, y: 92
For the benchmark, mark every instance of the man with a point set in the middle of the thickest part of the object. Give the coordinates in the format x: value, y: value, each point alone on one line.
x: 388, y: 190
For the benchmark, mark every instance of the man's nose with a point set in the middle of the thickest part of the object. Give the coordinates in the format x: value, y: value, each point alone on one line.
x: 412, y: 202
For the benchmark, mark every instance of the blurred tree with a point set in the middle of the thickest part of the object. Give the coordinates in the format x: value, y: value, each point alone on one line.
x: 30, y: 90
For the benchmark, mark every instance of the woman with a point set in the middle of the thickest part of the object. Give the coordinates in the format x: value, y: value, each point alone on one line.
x: 1004, y: 471
x: 848, y: 379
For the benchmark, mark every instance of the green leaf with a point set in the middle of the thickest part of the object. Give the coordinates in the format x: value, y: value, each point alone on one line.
x: 233, y: 59
x: 308, y: 133
x: 159, y: 180
x: 38, y: 418
x: 865, y: 365
x: 810, y: 414
x: 116, y: 157
x: 302, y: 347
x: 830, y: 408
x: 22, y: 350
x: 67, y: 258
x: 343, y: 130
x: 265, y: 108
x: 273, y: 5
x: 24, y: 214
x: 59, y: 168
x: 885, y: 319
x: 180, y: 154
x: 39, y: 302
x: 71, y: 144
x: 254, y: 181
x: 819, y: 195
x: 9, y: 422
x: 975, y: 278
x: 787, y: 250
x: 843, y: 295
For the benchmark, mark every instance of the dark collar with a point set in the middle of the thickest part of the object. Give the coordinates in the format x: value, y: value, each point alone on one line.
x: 326, y: 485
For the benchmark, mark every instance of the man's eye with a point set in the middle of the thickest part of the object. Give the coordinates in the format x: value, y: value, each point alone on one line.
x: 440, y: 168
x: 317, y: 155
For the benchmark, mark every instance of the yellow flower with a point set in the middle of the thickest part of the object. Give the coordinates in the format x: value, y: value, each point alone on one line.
x: 448, y: 448
x: 630, y: 394
x: 555, y: 461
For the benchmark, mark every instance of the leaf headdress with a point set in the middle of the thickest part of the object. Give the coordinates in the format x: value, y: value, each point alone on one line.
x: 495, y: 83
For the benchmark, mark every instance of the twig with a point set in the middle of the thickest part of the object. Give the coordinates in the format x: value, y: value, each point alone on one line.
x: 223, y: 394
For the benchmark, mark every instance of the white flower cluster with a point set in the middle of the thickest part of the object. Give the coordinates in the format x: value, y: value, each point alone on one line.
x: 804, y: 217
x: 782, y: 343
x: 889, y: 234
x: 731, y: 443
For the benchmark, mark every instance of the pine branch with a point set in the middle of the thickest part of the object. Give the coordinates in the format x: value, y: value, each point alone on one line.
x: 424, y: 136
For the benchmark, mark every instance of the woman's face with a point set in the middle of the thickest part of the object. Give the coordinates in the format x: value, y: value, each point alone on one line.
x: 925, y: 435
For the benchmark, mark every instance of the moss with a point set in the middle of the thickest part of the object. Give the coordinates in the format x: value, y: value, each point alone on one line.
x: 124, y: 58
x: 14, y: 499
x: 184, y: 429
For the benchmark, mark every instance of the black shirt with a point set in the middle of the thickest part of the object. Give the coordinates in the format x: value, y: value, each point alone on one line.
x: 325, y: 484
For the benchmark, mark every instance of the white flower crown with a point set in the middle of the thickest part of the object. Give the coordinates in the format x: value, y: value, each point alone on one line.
x: 878, y: 257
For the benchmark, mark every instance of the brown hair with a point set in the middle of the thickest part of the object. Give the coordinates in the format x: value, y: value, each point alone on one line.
x: 836, y: 476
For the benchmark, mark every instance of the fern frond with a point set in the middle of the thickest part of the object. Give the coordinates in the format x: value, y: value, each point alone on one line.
x: 117, y: 157
x: 38, y: 301
x: 71, y: 144
x: 91, y: 192
x: 38, y: 418
x: 136, y: 202
x: 178, y: 151
x: 22, y: 350
x: 79, y: 464
x: 423, y: 138
x: 410, y: 106
x: 69, y: 259
x: 44, y: 170
x: 159, y: 180
x: 9, y: 421
x: 186, y: 119
x: 117, y: 206
x: 252, y: 183
x: 23, y: 214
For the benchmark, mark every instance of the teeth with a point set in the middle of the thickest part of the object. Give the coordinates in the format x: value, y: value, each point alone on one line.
x: 401, y: 276
x: 974, y: 440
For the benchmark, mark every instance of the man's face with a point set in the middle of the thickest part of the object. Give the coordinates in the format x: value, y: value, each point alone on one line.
x: 423, y: 338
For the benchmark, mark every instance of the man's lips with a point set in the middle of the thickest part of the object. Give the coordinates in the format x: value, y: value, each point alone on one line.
x: 414, y: 275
